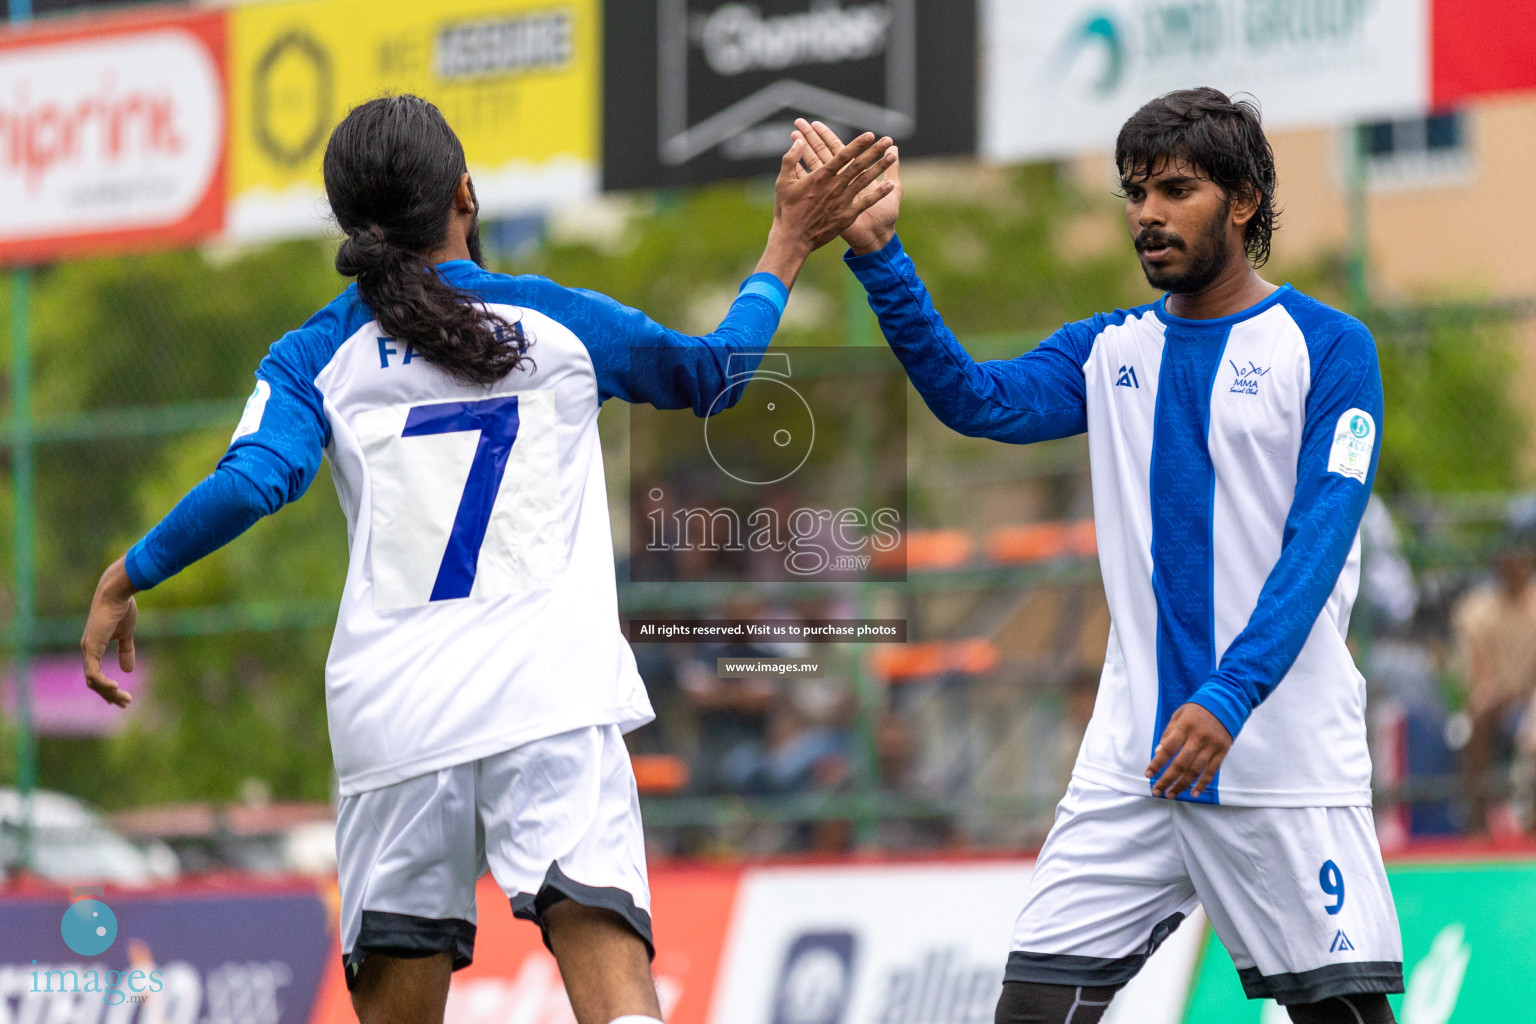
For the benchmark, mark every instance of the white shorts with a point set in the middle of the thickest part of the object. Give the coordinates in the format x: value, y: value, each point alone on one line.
x: 1298, y: 895
x: 557, y: 818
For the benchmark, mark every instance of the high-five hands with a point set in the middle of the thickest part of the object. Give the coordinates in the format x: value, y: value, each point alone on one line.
x: 1196, y: 742
x: 819, y: 197
x: 113, y: 615
x: 813, y: 206
x: 876, y: 224
x: 820, y: 203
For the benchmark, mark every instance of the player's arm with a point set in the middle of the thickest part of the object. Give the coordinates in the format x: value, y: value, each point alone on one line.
x: 1340, y: 447
x: 271, y: 461
x: 639, y: 360
x: 1035, y: 397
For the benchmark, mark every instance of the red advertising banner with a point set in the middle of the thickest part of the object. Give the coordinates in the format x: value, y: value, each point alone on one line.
x: 1480, y: 47
x: 514, y: 978
x: 112, y: 134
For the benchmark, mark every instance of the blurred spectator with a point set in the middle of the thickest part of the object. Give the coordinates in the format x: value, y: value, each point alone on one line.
x: 1082, y: 691
x: 730, y: 716
x: 672, y: 731
x: 808, y: 738
x: 1495, y: 627
x: 1388, y: 582
x: 1525, y: 773
x: 1409, y: 700
x: 766, y: 735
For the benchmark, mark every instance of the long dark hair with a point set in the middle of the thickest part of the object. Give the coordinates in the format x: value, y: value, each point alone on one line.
x: 392, y: 168
x: 1222, y: 138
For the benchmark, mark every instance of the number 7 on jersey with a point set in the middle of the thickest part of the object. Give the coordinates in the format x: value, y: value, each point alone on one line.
x: 465, y: 498
x: 496, y: 420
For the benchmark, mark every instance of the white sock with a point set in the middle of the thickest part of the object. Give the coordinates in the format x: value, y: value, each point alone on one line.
x: 635, y: 1018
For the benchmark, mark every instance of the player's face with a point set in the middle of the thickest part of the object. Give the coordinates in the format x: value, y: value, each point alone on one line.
x: 1181, y: 224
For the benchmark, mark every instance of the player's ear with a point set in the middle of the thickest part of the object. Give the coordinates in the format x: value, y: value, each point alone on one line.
x: 464, y: 196
x: 1244, y: 205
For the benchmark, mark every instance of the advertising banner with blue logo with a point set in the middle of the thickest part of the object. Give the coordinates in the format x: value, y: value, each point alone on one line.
x: 1061, y: 76
x: 899, y: 944
x: 184, y: 956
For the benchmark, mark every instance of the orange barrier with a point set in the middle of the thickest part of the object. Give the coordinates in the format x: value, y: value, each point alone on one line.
x: 927, y: 549
x: 1042, y: 542
x: 932, y: 550
x: 916, y: 661
x: 659, y: 774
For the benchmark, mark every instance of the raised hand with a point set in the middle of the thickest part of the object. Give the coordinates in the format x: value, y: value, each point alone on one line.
x: 876, y: 225
x: 812, y: 207
x: 114, y: 613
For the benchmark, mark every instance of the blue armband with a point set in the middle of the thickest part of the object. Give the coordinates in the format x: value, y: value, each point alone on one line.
x: 769, y: 287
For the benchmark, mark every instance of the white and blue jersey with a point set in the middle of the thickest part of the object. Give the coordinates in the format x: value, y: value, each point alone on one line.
x: 1231, y: 460
x: 480, y: 611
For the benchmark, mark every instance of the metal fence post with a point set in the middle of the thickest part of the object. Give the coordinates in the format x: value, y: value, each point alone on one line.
x: 22, y: 481
x: 21, y: 469
x: 23, y: 487
x: 1356, y: 200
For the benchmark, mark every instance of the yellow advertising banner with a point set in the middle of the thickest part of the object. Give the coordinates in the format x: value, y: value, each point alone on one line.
x: 519, y: 80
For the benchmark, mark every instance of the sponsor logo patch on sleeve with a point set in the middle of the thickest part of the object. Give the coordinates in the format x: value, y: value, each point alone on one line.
x: 255, y: 406
x: 1353, y: 441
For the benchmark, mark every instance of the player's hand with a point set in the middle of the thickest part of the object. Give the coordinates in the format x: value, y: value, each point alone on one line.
x: 113, y: 615
x: 817, y: 203
x: 1196, y: 742
x: 876, y: 226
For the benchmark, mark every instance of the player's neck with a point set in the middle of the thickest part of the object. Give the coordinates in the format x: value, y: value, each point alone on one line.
x: 452, y: 249
x: 1234, y: 290
x: 455, y: 245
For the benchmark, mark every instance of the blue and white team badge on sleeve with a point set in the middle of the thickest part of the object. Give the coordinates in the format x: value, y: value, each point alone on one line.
x: 255, y: 408
x: 1353, y: 441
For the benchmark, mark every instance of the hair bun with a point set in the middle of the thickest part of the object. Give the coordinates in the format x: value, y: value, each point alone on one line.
x: 363, y: 249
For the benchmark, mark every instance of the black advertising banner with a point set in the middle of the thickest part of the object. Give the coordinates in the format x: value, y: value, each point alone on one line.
x: 700, y: 90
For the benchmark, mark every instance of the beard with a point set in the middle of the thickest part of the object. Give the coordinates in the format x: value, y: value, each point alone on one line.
x: 1206, y: 259
x: 472, y: 239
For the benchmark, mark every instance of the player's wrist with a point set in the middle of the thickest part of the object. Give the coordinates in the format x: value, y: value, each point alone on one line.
x: 789, y: 241
x: 870, y: 241
x: 784, y: 255
x: 115, y: 583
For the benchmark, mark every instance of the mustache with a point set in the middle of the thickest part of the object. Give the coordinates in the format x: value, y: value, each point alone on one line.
x: 1154, y: 239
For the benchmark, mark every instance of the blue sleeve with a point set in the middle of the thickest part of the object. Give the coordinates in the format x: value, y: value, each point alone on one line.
x: 639, y: 360
x: 1334, y: 475
x: 271, y: 461
x: 1037, y: 396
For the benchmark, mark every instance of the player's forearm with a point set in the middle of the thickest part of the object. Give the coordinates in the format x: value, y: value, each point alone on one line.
x: 1019, y: 401
x: 694, y: 372
x: 784, y: 255
x: 1294, y: 595
x: 219, y: 509
x: 941, y: 370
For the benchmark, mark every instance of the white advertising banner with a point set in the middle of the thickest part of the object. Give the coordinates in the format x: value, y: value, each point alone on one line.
x: 111, y: 135
x: 1059, y: 77
x: 900, y: 944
